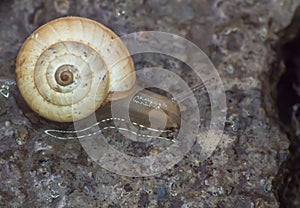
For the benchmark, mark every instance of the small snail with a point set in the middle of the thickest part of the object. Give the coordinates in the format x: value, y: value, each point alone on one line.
x: 67, y: 69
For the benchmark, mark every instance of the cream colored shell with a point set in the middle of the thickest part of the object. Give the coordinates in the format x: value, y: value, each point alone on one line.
x: 67, y: 67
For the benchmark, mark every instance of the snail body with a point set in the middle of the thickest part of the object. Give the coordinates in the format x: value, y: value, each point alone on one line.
x: 67, y: 67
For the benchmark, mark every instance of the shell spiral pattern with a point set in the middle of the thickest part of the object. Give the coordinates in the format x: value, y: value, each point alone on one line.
x: 66, y: 69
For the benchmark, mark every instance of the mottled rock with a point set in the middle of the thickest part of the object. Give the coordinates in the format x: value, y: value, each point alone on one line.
x: 237, y: 35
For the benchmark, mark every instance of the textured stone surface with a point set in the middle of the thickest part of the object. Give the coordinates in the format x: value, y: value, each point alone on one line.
x: 237, y: 35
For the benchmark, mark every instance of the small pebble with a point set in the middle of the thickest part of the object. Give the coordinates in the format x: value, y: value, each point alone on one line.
x: 21, y: 135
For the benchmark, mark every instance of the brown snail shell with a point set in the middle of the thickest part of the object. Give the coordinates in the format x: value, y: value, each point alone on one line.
x: 66, y: 68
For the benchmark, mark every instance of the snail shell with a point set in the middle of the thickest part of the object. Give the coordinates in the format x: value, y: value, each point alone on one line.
x: 67, y: 68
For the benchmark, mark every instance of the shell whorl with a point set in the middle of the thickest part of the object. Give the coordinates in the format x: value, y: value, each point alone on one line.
x: 67, y: 67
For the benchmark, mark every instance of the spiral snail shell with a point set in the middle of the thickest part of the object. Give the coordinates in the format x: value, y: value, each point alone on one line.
x: 67, y: 68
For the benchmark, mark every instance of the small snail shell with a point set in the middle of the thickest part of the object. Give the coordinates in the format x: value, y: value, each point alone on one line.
x: 69, y: 64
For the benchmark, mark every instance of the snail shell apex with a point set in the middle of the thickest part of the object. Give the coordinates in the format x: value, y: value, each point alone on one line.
x: 66, y: 69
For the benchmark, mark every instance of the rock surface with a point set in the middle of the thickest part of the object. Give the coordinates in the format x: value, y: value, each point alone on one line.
x: 40, y: 171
